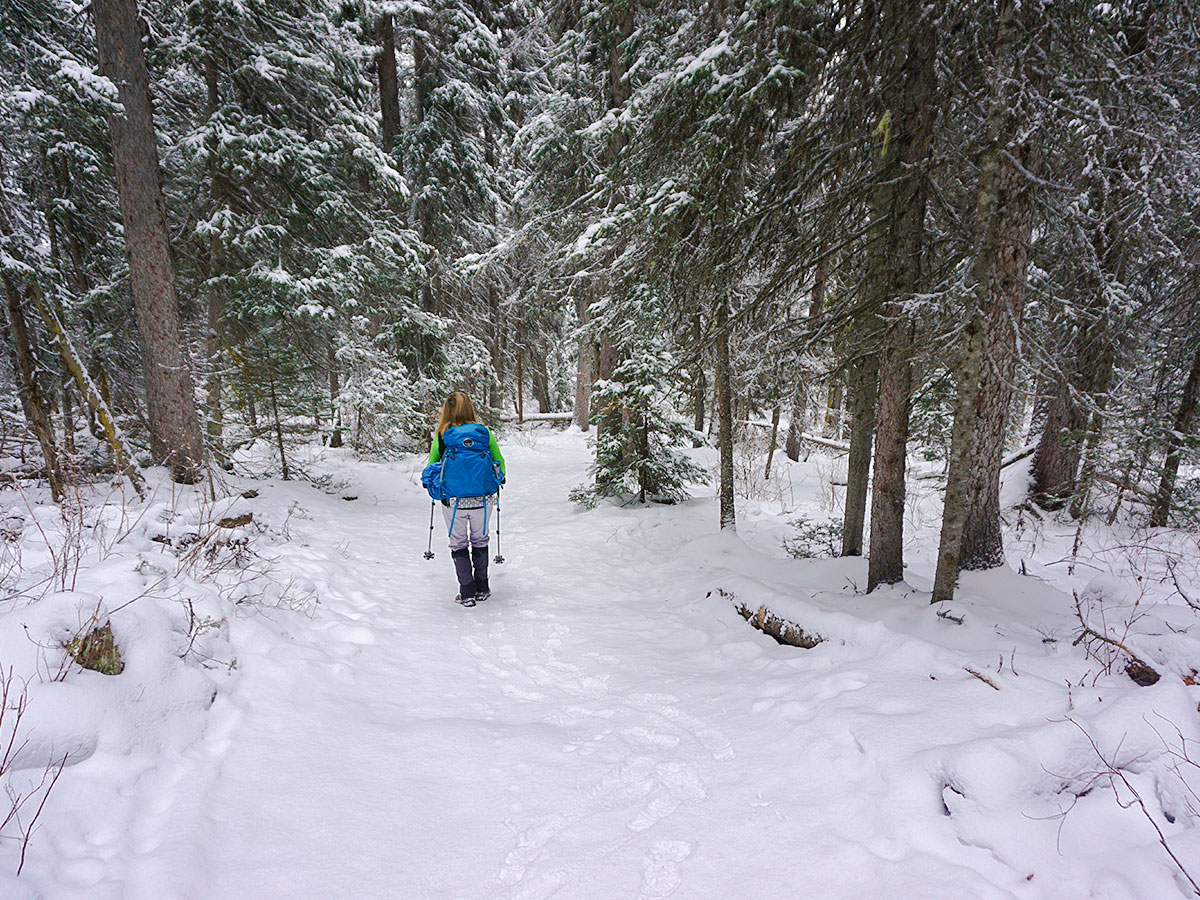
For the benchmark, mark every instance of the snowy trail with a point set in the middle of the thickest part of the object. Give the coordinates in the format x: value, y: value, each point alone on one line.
x: 401, y: 746
x: 596, y: 730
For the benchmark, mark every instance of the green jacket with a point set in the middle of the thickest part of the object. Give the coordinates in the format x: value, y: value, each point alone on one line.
x: 435, y: 451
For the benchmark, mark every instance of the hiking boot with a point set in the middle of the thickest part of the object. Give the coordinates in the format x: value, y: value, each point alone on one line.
x: 479, y: 561
x: 466, y: 577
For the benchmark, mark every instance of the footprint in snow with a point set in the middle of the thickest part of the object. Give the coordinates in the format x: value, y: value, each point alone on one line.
x: 664, y: 705
x: 660, y: 869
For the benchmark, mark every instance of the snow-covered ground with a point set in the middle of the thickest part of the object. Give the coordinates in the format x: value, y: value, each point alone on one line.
x: 304, y: 713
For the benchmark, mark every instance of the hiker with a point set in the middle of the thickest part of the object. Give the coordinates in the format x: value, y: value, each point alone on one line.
x: 465, y: 472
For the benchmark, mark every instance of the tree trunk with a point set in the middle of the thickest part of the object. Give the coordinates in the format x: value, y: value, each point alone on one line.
x: 389, y: 83
x: 91, y: 395
x: 283, y: 463
x: 1056, y: 460
x: 833, y: 410
x: 774, y: 441
x: 541, y: 383
x: 585, y: 367
x: 175, y: 436
x: 335, y: 391
x: 216, y: 293
x: 609, y: 416
x: 699, y: 387
x: 496, y: 394
x: 971, y: 537
x: 909, y: 100
x: 33, y: 400
x: 863, y: 385
x: 725, y: 419
x: 1184, y: 418
x: 793, y: 444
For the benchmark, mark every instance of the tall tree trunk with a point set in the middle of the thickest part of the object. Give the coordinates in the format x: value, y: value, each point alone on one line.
x: 283, y: 463
x: 335, y: 391
x: 1184, y: 417
x: 389, y: 83
x: 216, y: 293
x: 91, y: 395
x: 33, y: 399
x: 430, y: 294
x: 1071, y: 424
x: 585, y: 376
x: 795, y: 432
x: 175, y: 436
x: 909, y: 101
x: 1056, y: 460
x: 496, y: 394
x: 541, y: 382
x: 833, y: 409
x: 971, y: 537
x: 721, y: 379
x: 699, y: 387
x: 863, y: 385
x: 774, y: 441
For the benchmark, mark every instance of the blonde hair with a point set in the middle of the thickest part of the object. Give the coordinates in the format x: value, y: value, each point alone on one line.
x: 457, y: 410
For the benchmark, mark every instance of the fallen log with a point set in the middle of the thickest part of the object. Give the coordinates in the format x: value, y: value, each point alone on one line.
x: 781, y: 629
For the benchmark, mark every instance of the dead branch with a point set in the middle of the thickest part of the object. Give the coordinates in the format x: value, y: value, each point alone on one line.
x: 982, y: 678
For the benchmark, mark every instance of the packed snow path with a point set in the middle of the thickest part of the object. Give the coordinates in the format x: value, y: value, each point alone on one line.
x: 596, y: 730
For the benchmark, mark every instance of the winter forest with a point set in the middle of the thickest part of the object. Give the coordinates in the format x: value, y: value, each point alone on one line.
x: 846, y: 359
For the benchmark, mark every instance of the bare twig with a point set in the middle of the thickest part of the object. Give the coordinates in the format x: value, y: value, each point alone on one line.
x: 982, y: 678
x: 1116, y: 774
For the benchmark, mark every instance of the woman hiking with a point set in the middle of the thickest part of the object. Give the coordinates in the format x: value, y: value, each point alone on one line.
x: 465, y: 472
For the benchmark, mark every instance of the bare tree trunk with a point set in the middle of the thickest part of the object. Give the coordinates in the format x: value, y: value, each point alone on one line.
x: 335, y: 391
x: 971, y: 537
x: 1184, y: 418
x: 725, y: 419
x: 283, y: 463
x: 585, y: 368
x: 33, y: 400
x: 1056, y: 460
x: 216, y: 298
x: 609, y: 416
x: 833, y: 410
x: 389, y: 83
x: 795, y: 430
x: 541, y: 382
x: 496, y: 399
x: 863, y: 385
x: 774, y: 441
x: 910, y: 88
x: 699, y: 387
x: 97, y: 404
x: 520, y: 384
x: 175, y: 436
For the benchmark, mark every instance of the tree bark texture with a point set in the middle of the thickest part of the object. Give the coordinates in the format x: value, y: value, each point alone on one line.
x: 335, y: 391
x: 96, y: 403
x: 1056, y: 463
x: 863, y: 386
x: 1182, y: 426
x: 971, y: 537
x: 909, y: 102
x: 792, y: 443
x: 175, y: 436
x: 216, y: 293
x: 33, y: 399
x: 725, y: 419
x: 389, y: 84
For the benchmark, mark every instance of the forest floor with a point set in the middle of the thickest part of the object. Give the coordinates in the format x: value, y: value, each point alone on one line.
x: 305, y: 713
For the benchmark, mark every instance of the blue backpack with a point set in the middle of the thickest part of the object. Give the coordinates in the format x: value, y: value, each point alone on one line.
x: 466, y: 468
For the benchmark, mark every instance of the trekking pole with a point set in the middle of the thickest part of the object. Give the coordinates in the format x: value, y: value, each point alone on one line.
x: 429, y: 549
x: 499, y: 557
